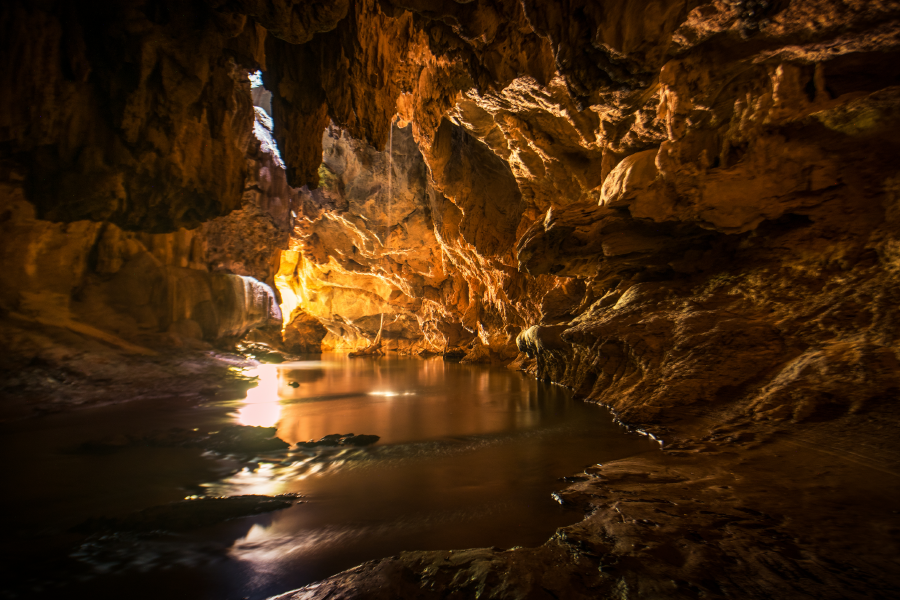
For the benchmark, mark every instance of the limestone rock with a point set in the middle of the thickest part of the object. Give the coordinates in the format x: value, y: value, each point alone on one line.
x: 303, y: 333
x: 137, y: 286
x: 131, y: 117
x: 603, y: 170
x: 363, y: 244
x: 248, y: 241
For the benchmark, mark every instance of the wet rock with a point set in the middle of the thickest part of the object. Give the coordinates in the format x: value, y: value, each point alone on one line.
x: 338, y: 439
x: 189, y: 514
x: 359, y: 440
x: 271, y: 358
x: 243, y: 439
x: 657, y: 520
x: 255, y: 350
x: 574, y: 478
x: 454, y: 355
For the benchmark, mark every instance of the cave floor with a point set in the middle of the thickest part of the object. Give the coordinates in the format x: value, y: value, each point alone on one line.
x: 741, y: 510
x: 730, y: 508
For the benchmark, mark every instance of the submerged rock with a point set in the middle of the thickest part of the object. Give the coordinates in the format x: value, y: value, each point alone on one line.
x: 244, y: 439
x: 337, y: 439
x: 273, y: 358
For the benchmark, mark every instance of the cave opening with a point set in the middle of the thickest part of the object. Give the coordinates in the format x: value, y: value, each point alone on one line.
x: 263, y: 123
x: 465, y: 299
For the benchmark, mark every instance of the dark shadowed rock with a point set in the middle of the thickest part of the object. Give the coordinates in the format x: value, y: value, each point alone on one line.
x: 244, y: 439
x: 189, y: 514
x: 337, y: 439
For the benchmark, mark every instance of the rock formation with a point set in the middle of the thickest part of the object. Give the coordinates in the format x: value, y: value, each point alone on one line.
x: 677, y: 209
x: 681, y: 189
x: 71, y: 292
x: 214, y: 276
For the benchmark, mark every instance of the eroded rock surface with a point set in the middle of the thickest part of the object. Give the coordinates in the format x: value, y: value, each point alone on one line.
x: 71, y: 289
x: 137, y: 115
x: 680, y: 207
x: 697, y: 209
x: 338, y: 439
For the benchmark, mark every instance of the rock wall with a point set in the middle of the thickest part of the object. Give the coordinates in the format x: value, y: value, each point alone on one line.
x: 364, y: 246
x: 662, y: 205
x: 137, y: 114
x: 144, y: 290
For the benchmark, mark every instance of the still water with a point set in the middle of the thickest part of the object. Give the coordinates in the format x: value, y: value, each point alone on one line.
x: 468, y: 456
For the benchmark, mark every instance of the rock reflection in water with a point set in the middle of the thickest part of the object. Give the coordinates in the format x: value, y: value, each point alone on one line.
x: 401, y: 404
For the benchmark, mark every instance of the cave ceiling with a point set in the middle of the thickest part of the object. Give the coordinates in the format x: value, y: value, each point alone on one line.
x: 139, y: 113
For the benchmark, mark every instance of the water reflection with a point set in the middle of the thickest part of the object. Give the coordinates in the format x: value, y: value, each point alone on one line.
x: 262, y: 407
x: 390, y: 399
x: 277, y: 384
x: 468, y: 457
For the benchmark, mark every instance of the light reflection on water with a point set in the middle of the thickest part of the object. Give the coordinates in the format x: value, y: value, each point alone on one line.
x: 262, y: 406
x: 395, y: 401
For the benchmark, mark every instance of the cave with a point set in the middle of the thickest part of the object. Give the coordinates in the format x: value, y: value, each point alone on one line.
x: 644, y: 255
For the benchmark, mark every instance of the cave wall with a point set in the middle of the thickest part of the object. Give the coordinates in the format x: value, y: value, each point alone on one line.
x: 658, y: 204
x: 134, y: 113
x: 664, y: 205
x: 141, y: 291
x: 364, y: 245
